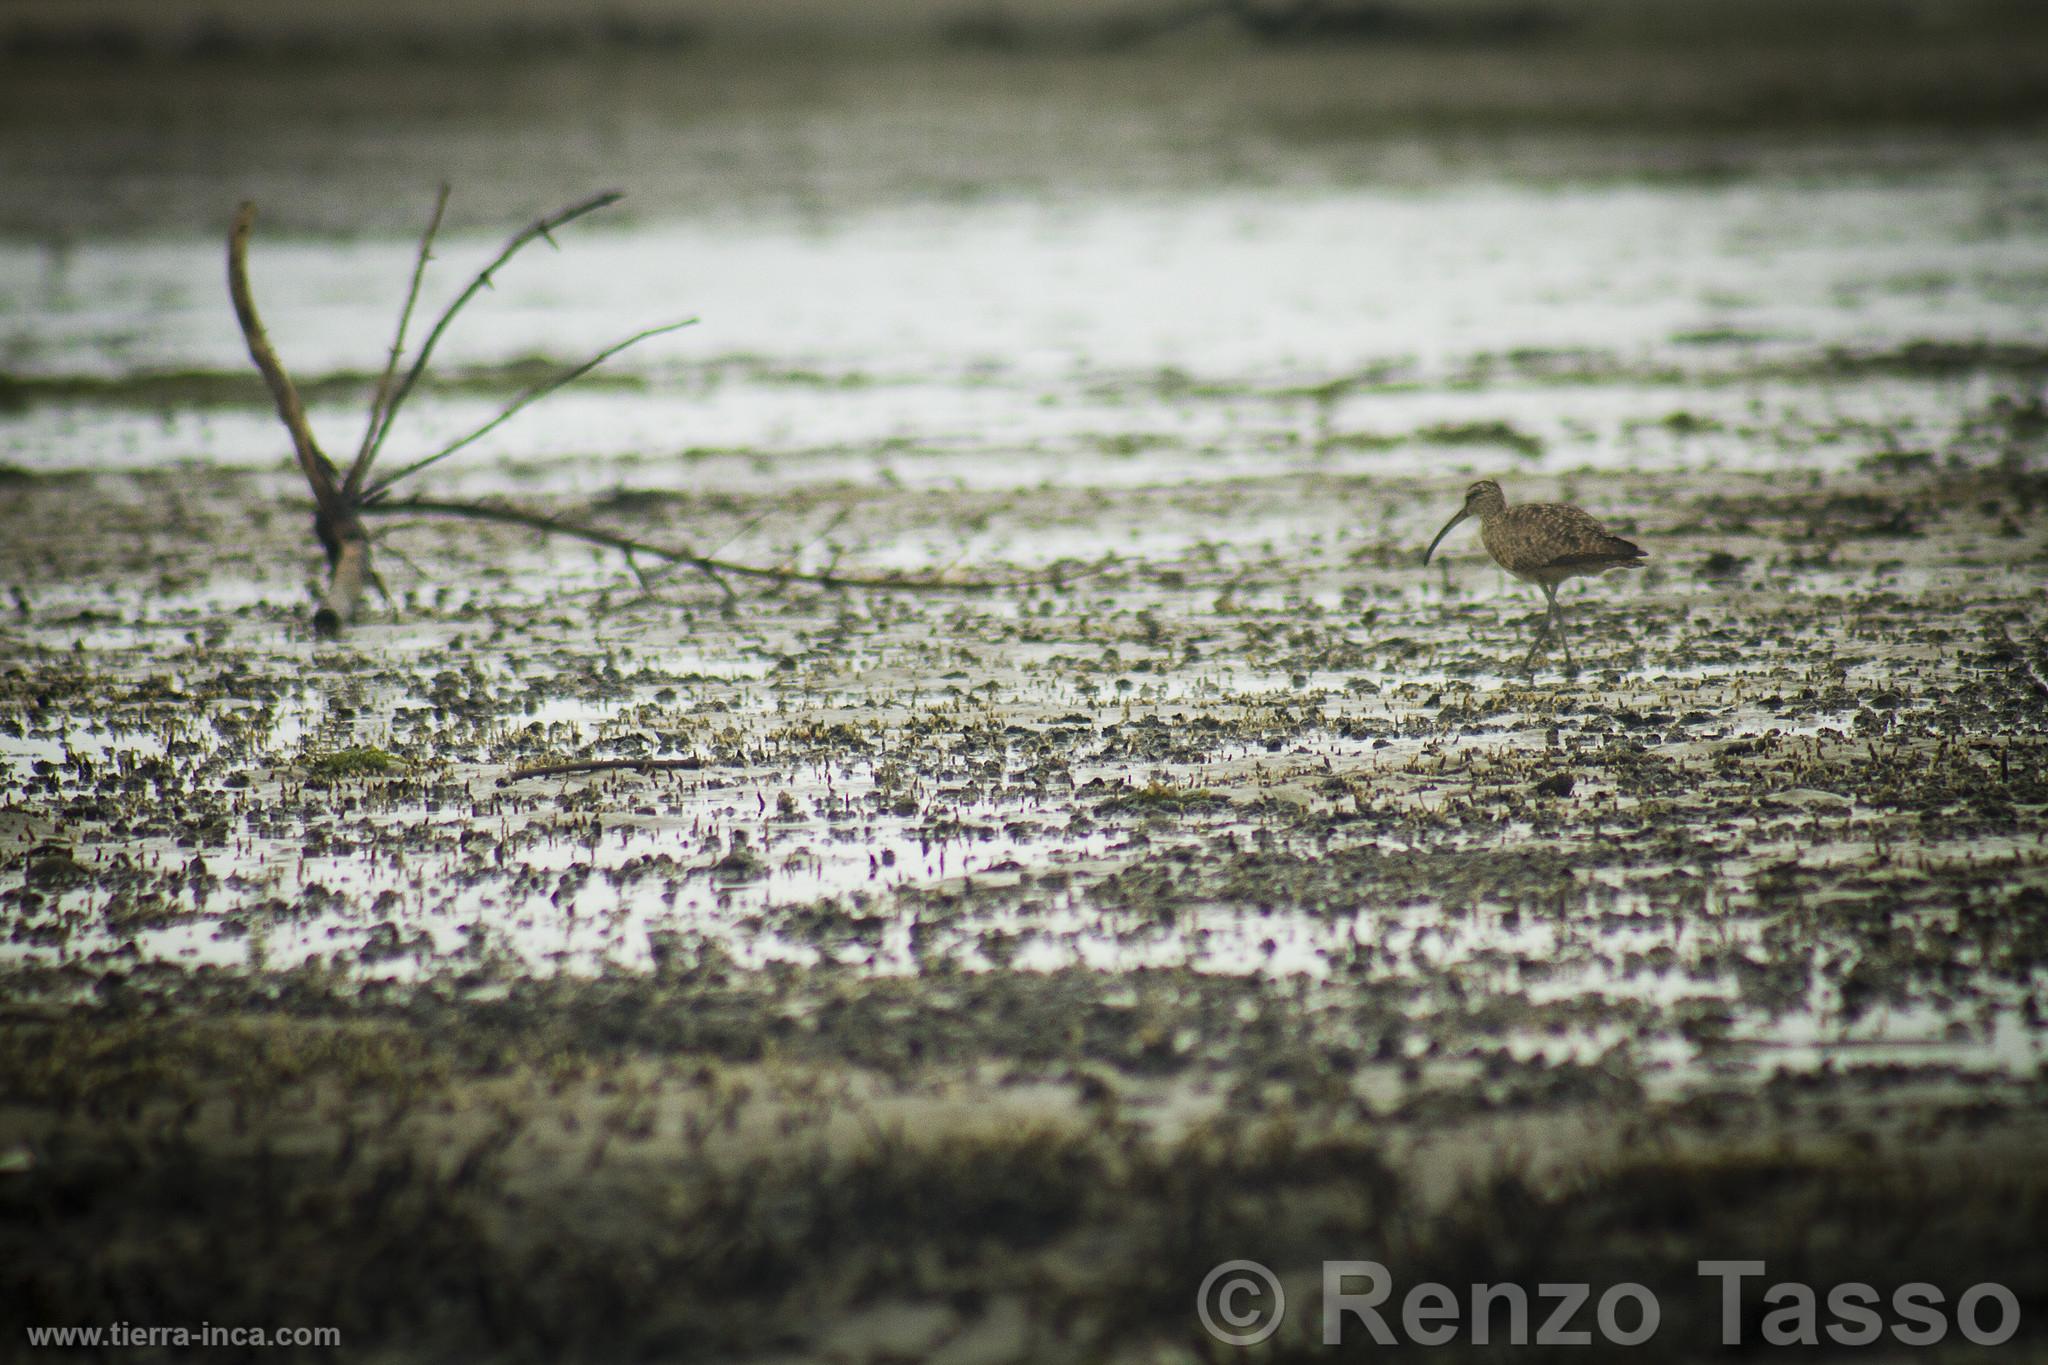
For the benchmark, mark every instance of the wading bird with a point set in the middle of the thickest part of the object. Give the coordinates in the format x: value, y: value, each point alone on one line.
x: 1542, y: 543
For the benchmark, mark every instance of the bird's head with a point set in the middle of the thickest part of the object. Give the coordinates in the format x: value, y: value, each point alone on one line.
x: 1482, y: 499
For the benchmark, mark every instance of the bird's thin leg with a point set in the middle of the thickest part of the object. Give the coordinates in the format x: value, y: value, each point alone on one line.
x: 1542, y: 632
x: 1555, y: 623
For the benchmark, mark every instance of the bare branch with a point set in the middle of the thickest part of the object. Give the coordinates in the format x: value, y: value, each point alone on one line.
x: 531, y: 396
x: 543, y: 228
x: 334, y: 513
x: 512, y: 516
x: 339, y: 507
x: 379, y: 412
x: 318, y: 469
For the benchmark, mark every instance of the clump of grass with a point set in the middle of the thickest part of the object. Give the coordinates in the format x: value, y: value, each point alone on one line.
x: 1719, y: 336
x: 1684, y: 423
x: 1166, y: 797
x: 1720, y: 564
x: 1482, y: 434
x: 356, y: 761
x: 1364, y: 440
x: 1897, y: 462
x: 1125, y: 444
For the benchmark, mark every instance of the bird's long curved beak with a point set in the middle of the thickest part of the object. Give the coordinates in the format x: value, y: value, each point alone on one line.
x: 1462, y: 514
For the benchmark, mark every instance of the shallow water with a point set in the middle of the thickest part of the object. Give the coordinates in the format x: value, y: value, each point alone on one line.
x: 1226, y: 328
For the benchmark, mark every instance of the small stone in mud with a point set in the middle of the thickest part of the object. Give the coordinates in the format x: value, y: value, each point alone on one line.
x: 1557, y: 784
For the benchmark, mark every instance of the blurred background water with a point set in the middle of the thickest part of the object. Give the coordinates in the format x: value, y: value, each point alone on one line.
x: 1032, y: 228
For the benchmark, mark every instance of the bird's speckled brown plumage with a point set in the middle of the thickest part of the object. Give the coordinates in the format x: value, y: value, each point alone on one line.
x: 1543, y: 543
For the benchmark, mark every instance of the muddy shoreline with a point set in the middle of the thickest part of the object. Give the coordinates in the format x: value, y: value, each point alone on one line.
x: 1361, y: 926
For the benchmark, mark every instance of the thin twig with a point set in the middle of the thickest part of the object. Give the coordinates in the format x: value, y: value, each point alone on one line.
x: 541, y: 227
x: 512, y: 516
x: 796, y: 552
x: 648, y: 577
x: 732, y: 594
x: 379, y: 411
x: 752, y: 522
x: 419, y: 571
x: 531, y: 396
x: 603, y: 765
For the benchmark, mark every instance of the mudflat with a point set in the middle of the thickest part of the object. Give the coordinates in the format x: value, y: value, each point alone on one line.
x: 988, y: 963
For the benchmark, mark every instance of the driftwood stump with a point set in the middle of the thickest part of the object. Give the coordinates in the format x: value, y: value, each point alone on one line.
x: 342, y: 501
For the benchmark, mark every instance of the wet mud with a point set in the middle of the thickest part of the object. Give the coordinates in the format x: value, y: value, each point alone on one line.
x: 1122, y: 922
